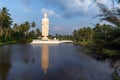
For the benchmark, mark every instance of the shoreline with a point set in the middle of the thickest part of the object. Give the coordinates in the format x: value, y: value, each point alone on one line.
x: 9, y: 42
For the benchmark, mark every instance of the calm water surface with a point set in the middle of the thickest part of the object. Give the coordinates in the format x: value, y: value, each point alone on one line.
x: 50, y: 62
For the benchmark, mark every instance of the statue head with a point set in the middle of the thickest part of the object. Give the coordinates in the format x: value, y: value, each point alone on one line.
x: 45, y: 15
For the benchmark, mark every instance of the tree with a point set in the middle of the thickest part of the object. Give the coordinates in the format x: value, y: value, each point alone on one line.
x: 32, y: 34
x: 83, y: 34
x: 5, y: 21
x: 18, y: 33
x: 38, y: 33
x: 15, y: 27
x: 110, y: 15
x: 33, y: 24
x: 26, y: 26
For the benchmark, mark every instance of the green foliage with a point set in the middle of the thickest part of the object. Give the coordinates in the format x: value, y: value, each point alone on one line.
x: 32, y: 34
x: 63, y: 37
x: 38, y: 33
x: 84, y: 34
x: 5, y: 19
x: 103, y: 40
x: 33, y: 24
x: 22, y: 33
x: 5, y: 22
x: 50, y: 37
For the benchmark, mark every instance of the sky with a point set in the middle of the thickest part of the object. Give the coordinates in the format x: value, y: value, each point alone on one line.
x: 65, y: 15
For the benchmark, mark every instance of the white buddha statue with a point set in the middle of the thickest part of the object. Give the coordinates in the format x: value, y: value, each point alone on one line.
x: 45, y: 27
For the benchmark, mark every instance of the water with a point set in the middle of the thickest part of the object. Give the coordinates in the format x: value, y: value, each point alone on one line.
x: 50, y: 62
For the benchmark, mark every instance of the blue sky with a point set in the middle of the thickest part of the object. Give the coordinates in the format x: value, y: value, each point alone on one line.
x: 64, y: 15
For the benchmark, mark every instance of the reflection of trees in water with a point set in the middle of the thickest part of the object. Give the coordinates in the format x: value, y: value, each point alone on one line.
x: 114, y: 61
x: 26, y: 54
x: 4, y: 69
x: 5, y: 64
x: 116, y: 73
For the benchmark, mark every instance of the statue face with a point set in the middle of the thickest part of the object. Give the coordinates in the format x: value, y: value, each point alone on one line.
x: 45, y: 15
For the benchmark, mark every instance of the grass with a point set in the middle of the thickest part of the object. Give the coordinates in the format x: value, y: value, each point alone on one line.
x: 82, y: 43
x: 9, y: 42
x: 110, y: 52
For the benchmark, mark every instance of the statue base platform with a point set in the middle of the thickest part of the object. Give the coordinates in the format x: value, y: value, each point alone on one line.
x: 50, y: 41
x: 45, y: 39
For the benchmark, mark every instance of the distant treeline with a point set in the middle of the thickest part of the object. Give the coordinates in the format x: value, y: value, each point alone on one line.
x: 103, y: 39
x: 19, y: 33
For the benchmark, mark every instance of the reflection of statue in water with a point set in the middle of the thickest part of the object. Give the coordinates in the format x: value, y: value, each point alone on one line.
x: 5, y: 64
x: 45, y: 27
x: 45, y: 58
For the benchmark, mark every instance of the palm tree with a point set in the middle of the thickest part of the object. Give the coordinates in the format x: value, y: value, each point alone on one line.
x: 38, y: 32
x: 26, y: 26
x: 33, y: 24
x: 32, y: 34
x: 15, y: 27
x: 89, y: 34
x: 5, y: 21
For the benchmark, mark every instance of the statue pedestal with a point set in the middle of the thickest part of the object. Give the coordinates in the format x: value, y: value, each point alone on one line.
x: 45, y: 39
x: 50, y: 41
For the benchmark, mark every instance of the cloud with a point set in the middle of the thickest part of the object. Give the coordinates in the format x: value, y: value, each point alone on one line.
x: 57, y: 28
x: 27, y: 2
x: 82, y: 4
x: 70, y: 8
x: 49, y: 12
x: 28, y: 10
x: 103, y: 1
x: 61, y: 29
